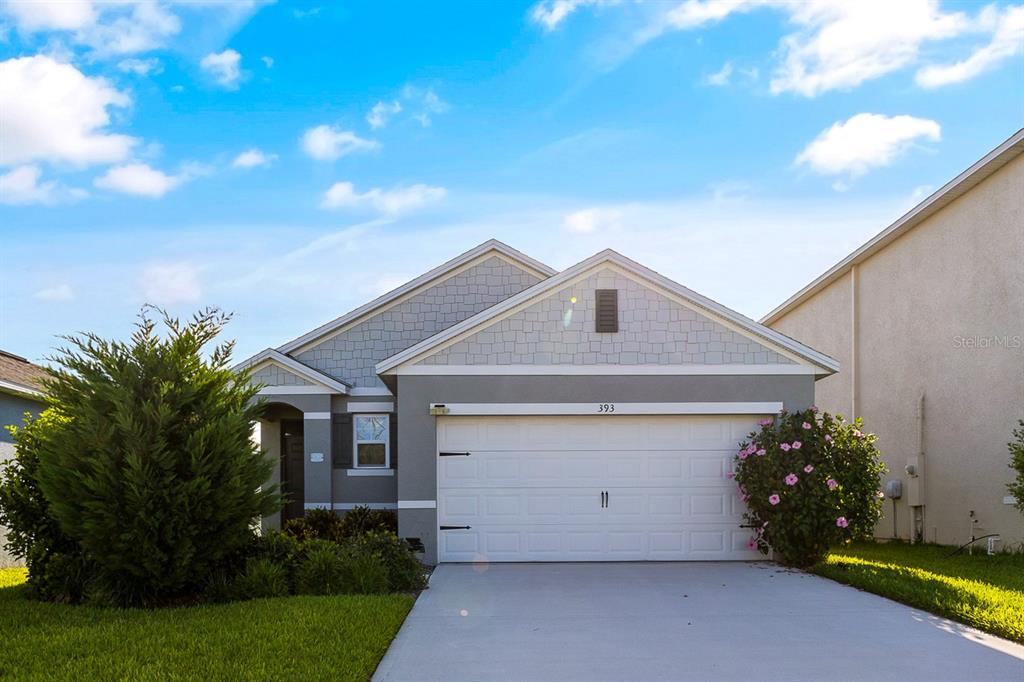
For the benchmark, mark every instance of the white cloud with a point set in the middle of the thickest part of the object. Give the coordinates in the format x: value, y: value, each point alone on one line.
x: 52, y: 112
x: 58, y: 292
x: 21, y: 186
x: 170, y: 283
x: 140, y: 67
x: 1007, y: 41
x: 381, y: 112
x: 551, y: 13
x: 251, y: 158
x: 326, y: 143
x: 267, y: 62
x: 720, y: 77
x: 106, y: 27
x: 591, y: 220
x: 391, y: 201
x: 865, y: 141
x: 141, y: 180
x: 224, y: 67
x: 425, y: 102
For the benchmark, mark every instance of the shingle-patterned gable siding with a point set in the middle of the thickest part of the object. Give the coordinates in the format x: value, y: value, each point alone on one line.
x: 352, y: 355
x: 653, y: 330
x: 272, y: 375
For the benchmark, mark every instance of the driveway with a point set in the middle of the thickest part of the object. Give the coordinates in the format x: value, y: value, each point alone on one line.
x: 677, y: 621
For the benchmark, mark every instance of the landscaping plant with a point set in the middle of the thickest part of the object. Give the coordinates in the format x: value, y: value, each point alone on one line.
x: 1016, y: 447
x: 810, y: 481
x: 142, y: 467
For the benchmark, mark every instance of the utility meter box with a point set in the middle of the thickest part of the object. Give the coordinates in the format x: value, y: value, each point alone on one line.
x: 894, y: 489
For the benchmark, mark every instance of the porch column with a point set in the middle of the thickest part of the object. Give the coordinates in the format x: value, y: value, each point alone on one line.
x: 316, y: 431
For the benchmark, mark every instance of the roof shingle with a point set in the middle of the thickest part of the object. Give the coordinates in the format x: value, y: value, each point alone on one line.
x: 19, y: 371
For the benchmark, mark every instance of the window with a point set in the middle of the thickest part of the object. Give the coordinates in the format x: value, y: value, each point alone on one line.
x: 372, y: 446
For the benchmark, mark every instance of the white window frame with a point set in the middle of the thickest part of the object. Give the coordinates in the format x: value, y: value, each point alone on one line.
x: 386, y: 441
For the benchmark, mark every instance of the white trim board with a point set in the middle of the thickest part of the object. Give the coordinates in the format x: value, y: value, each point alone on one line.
x: 348, y: 506
x: 606, y: 409
x: 615, y: 370
x: 730, y: 319
x: 316, y: 415
x: 370, y: 391
x: 295, y: 390
x: 20, y: 389
x: 417, y: 504
x: 370, y: 471
x: 458, y: 264
x: 273, y: 357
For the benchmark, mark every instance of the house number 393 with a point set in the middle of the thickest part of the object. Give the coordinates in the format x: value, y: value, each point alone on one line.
x: 607, y: 408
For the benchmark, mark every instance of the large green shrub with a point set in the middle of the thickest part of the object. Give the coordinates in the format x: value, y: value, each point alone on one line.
x: 362, y: 520
x: 261, y: 578
x: 810, y: 481
x: 1016, y: 447
x: 145, y: 458
x: 404, y: 572
x: 323, y: 524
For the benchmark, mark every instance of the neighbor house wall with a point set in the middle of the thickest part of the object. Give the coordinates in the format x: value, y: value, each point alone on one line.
x: 417, y: 475
x: 12, y: 413
x: 939, y: 313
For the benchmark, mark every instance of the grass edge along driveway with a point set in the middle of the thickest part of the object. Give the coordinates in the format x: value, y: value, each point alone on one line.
x: 338, y: 638
x: 985, y: 592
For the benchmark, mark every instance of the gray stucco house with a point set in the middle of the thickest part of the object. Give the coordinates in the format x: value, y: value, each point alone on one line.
x: 21, y: 393
x: 510, y: 412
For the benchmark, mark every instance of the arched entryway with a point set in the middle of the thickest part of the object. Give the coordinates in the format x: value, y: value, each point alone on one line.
x: 287, y: 422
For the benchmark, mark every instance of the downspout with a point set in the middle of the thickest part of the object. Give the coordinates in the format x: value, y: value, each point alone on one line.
x: 854, y: 332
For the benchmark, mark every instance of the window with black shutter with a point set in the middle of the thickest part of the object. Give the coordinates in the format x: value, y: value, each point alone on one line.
x: 607, y: 310
x: 341, y: 441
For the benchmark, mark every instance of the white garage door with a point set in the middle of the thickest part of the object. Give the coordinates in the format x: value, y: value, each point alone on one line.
x: 581, y: 488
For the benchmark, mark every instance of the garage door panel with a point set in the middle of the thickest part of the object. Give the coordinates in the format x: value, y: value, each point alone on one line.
x: 531, y: 488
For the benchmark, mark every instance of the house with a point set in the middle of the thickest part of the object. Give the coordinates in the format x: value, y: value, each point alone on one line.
x: 927, y: 319
x: 20, y: 393
x: 513, y: 413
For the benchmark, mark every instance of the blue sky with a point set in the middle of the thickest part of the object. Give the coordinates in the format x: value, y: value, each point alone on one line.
x: 290, y: 161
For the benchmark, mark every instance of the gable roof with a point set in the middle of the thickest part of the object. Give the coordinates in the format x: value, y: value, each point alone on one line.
x: 488, y: 248
x: 271, y: 356
x: 769, y: 337
x: 21, y: 377
x: 1010, y: 149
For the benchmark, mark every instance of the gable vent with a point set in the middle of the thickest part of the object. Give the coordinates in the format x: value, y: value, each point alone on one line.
x: 607, y: 310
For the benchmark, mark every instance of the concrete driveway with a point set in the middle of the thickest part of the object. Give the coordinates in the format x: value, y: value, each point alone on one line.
x: 677, y: 621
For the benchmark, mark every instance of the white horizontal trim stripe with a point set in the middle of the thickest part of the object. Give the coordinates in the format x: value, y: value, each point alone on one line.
x: 417, y: 504
x: 370, y: 391
x: 295, y: 390
x: 370, y: 472
x: 347, y: 506
x: 608, y: 409
x: 316, y: 415
x: 370, y: 407
x: 617, y: 370
x: 18, y: 388
x: 317, y: 505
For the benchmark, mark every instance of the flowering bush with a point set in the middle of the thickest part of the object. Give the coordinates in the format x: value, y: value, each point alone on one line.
x: 810, y: 481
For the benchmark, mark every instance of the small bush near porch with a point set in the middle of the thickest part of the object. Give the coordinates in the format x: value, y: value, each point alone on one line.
x: 341, y: 637
x: 986, y: 592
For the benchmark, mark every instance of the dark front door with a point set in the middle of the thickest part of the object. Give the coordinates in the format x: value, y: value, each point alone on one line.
x: 292, y: 456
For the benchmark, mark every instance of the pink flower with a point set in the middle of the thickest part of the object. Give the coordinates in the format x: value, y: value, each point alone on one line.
x: 774, y: 499
x: 814, y: 408
x: 880, y: 494
x: 797, y: 444
x: 832, y: 484
x: 842, y: 522
x: 785, y: 447
x: 857, y: 433
x: 808, y: 469
x: 791, y: 479
x: 751, y: 543
x: 766, y: 422
x: 828, y: 438
x: 730, y: 474
x: 743, y: 454
x: 806, y: 425
x: 760, y: 453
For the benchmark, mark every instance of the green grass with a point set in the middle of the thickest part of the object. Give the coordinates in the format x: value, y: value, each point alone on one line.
x: 337, y: 638
x: 986, y: 592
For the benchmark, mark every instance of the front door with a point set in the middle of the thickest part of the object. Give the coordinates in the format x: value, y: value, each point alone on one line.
x: 292, y: 481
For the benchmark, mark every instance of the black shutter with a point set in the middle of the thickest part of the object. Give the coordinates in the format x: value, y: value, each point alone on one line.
x: 607, y: 319
x: 341, y: 441
x: 393, y: 437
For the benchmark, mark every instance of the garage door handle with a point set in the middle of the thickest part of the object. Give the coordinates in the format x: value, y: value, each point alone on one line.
x: 453, y: 454
x: 456, y: 527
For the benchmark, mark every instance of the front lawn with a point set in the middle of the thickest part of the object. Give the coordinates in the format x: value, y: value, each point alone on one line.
x: 339, y: 638
x: 986, y: 592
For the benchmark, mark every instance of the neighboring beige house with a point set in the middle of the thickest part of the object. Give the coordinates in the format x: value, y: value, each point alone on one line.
x: 927, y: 321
